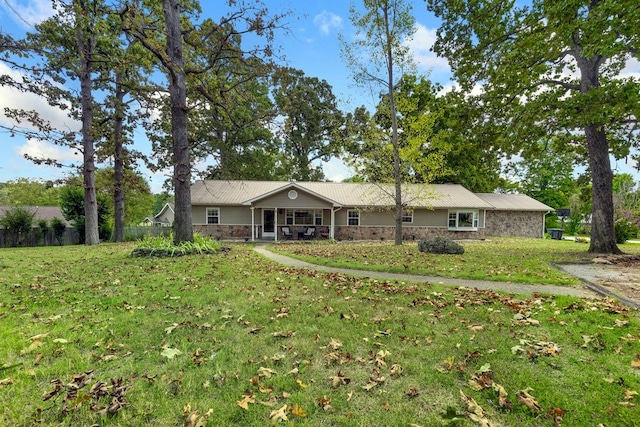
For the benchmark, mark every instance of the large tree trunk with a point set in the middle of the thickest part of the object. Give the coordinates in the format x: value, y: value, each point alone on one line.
x: 85, y: 51
x: 118, y: 163
x: 183, y: 228
x: 603, y: 239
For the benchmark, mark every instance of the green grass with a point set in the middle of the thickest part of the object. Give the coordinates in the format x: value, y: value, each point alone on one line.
x: 324, y: 349
x: 500, y: 259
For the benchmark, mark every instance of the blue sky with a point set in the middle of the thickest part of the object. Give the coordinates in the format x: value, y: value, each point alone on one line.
x: 311, y: 45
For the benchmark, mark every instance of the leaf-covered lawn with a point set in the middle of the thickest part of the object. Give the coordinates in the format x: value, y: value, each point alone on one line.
x: 91, y: 335
x: 500, y: 259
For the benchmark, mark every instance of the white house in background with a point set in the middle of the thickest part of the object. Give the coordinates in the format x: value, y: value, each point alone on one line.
x: 164, y: 218
x: 275, y: 210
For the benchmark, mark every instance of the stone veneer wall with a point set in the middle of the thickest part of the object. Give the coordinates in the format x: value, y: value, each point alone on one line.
x: 408, y: 233
x: 514, y: 224
x: 498, y: 223
x: 224, y: 232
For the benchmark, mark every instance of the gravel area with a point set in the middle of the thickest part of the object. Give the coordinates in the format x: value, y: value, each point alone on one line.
x: 612, y: 275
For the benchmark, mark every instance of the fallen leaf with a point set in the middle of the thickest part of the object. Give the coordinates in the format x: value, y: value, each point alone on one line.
x: 6, y: 381
x: 527, y: 399
x: 244, y: 402
x: 339, y: 379
x: 636, y: 363
x: 170, y: 353
x: 297, y: 411
x: 324, y: 403
x: 279, y: 414
x: 171, y: 328
x: 475, y: 411
x: 265, y: 372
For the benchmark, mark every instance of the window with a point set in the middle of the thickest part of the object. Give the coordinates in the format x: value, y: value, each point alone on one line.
x: 407, y: 216
x: 303, y: 217
x: 463, y: 220
x: 353, y: 217
x: 213, y: 215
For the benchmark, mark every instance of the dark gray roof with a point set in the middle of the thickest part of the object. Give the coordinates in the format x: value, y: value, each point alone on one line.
x: 41, y: 212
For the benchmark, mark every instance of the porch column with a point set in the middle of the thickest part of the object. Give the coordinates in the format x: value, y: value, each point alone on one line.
x: 333, y: 222
x: 253, y: 224
x: 275, y: 224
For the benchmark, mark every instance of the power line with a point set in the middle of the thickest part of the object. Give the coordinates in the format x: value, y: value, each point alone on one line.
x: 16, y: 13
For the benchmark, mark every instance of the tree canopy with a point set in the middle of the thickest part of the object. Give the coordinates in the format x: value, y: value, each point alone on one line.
x: 552, y: 68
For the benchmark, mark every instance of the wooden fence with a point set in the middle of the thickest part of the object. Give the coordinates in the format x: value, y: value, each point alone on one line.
x: 37, y: 238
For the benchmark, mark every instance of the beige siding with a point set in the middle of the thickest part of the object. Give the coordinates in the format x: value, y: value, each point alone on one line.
x: 282, y: 200
x: 232, y: 215
x: 430, y: 218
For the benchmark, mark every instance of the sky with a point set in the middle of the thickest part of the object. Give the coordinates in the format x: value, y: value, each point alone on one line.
x: 311, y: 44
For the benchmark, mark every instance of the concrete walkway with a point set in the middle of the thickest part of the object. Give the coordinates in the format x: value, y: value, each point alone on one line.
x: 516, y: 288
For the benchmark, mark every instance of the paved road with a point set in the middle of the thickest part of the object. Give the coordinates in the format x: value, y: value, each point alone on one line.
x: 516, y: 288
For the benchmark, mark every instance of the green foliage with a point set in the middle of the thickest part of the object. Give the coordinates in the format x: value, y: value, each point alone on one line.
x: 310, y: 124
x: 547, y: 174
x: 72, y: 206
x: 29, y: 192
x: 624, y: 230
x: 19, y: 222
x: 520, y: 54
x: 164, y: 246
x: 58, y: 226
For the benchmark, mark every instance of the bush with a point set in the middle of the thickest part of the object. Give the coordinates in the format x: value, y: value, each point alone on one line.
x: 440, y: 245
x: 18, y: 221
x: 163, y: 246
x: 624, y: 230
x: 59, y: 228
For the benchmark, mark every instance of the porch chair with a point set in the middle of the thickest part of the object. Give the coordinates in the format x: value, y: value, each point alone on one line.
x: 286, y: 233
x: 309, y: 234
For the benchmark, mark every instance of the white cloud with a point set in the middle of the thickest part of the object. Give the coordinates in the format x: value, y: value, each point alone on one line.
x: 13, y: 98
x: 420, y: 47
x: 327, y: 21
x: 44, y: 150
x: 28, y: 13
x: 336, y: 170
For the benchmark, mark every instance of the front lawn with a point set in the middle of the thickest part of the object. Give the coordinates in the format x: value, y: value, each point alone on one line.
x: 94, y: 336
x: 500, y: 259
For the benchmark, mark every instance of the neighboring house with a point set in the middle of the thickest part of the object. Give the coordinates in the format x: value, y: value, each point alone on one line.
x: 41, y: 212
x: 358, y: 211
x: 164, y: 218
x: 35, y: 238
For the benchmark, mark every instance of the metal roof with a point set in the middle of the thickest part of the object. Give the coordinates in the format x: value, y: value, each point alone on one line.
x: 514, y: 202
x: 212, y: 192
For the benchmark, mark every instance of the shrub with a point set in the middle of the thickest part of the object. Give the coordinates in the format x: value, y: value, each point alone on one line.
x: 624, y: 230
x: 18, y: 221
x: 59, y: 228
x: 163, y: 246
x: 440, y: 245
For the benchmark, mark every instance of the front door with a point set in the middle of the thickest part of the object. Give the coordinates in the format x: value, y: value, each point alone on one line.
x: 268, y: 224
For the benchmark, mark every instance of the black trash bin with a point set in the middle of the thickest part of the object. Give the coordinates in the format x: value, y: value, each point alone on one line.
x: 556, y: 233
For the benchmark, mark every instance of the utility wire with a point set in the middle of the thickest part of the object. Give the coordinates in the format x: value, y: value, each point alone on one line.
x: 13, y: 9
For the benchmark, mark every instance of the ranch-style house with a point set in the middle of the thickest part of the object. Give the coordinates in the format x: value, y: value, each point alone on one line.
x: 277, y: 210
